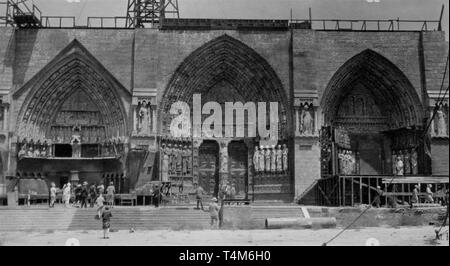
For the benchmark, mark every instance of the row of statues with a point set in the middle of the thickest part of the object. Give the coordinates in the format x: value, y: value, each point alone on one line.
x: 271, y: 159
x: 347, y: 162
x: 404, y: 162
x: 176, y: 160
x: 34, y: 149
x: 43, y: 148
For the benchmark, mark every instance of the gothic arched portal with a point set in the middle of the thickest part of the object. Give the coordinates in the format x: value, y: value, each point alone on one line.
x: 74, y: 79
x: 225, y: 69
x: 377, y: 118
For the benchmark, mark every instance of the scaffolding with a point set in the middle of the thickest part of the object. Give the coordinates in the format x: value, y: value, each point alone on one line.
x: 20, y: 13
x: 150, y: 13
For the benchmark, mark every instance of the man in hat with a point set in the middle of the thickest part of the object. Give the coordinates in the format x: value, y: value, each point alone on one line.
x: 199, y: 195
x: 214, y: 213
x: 415, y: 195
x: 84, y: 195
x: 378, y: 195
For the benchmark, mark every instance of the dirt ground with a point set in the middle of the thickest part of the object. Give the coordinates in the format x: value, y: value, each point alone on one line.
x: 384, y: 236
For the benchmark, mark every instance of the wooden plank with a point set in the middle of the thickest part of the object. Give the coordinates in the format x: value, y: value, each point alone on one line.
x: 324, y: 195
x: 360, y: 190
x: 353, y: 195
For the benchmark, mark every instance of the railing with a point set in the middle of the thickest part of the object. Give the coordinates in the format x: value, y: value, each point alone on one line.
x: 58, y: 21
x: 368, y: 24
x: 106, y: 22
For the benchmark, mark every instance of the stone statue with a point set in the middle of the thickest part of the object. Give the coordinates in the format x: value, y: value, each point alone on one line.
x: 394, y: 162
x: 399, y: 166
x: 414, y: 169
x: 441, y: 124
x: 285, y: 158
x: 223, y: 157
x: 273, y: 160
x: 407, y: 163
x: 165, y: 166
x: 256, y: 159
x: 261, y: 159
x: 341, y: 161
x: 143, y: 118
x: 179, y: 160
x: 23, y: 150
x: 279, y: 159
x: 267, y: 158
x: 307, y: 124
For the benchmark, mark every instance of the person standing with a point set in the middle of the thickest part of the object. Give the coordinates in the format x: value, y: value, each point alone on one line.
x: 92, y: 195
x: 84, y: 195
x: 100, y: 201
x: 199, y: 195
x: 52, y: 195
x: 429, y: 194
x: 78, y: 195
x: 66, y: 194
x: 214, y: 213
x: 222, y: 197
x: 101, y: 189
x: 415, y: 195
x: 110, y: 191
x: 106, y: 222
x: 156, y: 196
x: 378, y: 195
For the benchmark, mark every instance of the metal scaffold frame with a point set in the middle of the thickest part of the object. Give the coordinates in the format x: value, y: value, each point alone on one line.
x: 149, y: 13
x: 17, y: 13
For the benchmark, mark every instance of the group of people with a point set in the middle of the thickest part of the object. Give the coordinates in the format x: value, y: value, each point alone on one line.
x: 34, y: 149
x: 215, y: 211
x: 83, y: 194
x: 415, y: 198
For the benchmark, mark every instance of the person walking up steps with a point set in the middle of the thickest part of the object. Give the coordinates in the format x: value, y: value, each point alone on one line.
x: 214, y: 213
x: 110, y: 191
x: 199, y: 195
x: 52, y: 195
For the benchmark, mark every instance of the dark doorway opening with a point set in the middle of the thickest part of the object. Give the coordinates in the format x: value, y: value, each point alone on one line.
x: 90, y: 150
x: 63, y: 150
x: 209, y: 167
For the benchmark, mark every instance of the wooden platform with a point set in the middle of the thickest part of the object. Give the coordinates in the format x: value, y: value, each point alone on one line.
x: 417, y: 180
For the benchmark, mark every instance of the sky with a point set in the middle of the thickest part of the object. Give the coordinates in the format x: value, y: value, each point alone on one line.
x: 262, y: 9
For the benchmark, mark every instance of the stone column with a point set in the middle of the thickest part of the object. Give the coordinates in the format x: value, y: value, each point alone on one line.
x: 134, y: 119
x: 297, y: 122
x: 195, y: 159
x: 223, y: 161
x: 250, y: 168
x: 154, y: 118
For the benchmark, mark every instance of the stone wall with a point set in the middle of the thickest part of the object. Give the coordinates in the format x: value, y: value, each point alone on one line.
x: 146, y: 59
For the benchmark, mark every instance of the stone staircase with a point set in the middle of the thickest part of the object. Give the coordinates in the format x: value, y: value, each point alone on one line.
x: 124, y: 218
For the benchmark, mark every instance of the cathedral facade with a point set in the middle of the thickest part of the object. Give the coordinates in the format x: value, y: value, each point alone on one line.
x: 96, y: 105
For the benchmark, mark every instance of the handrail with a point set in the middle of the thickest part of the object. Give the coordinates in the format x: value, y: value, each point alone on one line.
x: 368, y: 24
x: 60, y: 20
x: 115, y: 20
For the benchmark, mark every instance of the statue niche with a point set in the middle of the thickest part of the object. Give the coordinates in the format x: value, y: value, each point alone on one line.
x: 145, y: 117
